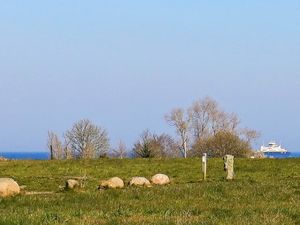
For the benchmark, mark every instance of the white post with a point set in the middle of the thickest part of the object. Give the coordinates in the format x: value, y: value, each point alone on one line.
x: 204, y: 165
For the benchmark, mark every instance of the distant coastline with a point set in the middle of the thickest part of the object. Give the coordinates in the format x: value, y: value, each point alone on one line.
x: 46, y: 155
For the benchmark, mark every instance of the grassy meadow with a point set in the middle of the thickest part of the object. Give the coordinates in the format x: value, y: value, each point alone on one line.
x: 265, y: 191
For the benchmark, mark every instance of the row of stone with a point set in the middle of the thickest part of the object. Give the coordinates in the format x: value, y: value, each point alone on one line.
x: 116, y: 182
x: 9, y: 187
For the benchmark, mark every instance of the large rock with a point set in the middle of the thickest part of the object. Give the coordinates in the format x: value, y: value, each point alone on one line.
x: 71, y: 184
x: 160, y: 179
x: 8, y: 187
x: 139, y: 181
x: 114, y: 182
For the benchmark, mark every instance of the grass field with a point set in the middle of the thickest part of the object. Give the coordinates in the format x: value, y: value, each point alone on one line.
x: 265, y: 191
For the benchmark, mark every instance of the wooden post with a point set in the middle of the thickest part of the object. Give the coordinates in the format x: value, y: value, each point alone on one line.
x: 204, y: 165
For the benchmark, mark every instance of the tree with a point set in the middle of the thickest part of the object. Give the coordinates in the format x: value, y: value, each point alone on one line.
x: 120, y: 151
x: 87, y: 140
x: 222, y: 143
x: 142, y: 147
x: 249, y: 135
x: 55, y: 146
x: 68, y: 151
x: 201, y: 113
x: 152, y: 145
x: 204, y: 120
x: 181, y: 121
x: 165, y: 146
x: 208, y: 118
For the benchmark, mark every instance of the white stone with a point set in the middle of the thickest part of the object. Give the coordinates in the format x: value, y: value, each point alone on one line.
x: 8, y: 187
x: 160, y: 179
x: 114, y: 182
x: 71, y: 184
x: 139, y: 181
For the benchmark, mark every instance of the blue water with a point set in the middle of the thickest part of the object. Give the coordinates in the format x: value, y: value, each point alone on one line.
x: 282, y: 155
x: 26, y: 155
x: 46, y: 155
x: 295, y: 155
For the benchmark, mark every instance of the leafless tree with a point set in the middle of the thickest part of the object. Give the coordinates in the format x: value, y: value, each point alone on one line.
x: 120, y: 151
x: 204, y: 120
x: 208, y: 118
x: 55, y: 146
x: 249, y: 135
x: 181, y: 120
x: 88, y: 140
x: 142, y: 148
x: 202, y: 112
x: 166, y: 146
x: 69, y: 153
x: 155, y: 146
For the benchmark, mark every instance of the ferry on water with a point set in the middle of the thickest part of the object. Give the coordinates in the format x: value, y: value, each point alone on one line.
x: 272, y: 150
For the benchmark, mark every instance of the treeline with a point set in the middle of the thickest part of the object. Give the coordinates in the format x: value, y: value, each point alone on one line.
x: 201, y: 128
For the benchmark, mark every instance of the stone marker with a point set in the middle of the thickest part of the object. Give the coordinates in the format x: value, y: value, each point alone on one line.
x: 228, y: 166
x: 114, y: 182
x: 160, y: 179
x: 139, y: 181
x: 8, y: 187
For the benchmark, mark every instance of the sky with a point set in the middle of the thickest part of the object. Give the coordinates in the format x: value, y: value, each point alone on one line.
x: 125, y: 64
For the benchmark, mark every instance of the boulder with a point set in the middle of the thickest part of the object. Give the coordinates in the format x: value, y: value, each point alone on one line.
x: 114, y: 182
x: 139, y: 181
x: 160, y: 179
x: 71, y: 184
x: 8, y: 187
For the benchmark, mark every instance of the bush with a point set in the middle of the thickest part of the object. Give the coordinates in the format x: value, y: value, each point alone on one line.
x: 222, y: 143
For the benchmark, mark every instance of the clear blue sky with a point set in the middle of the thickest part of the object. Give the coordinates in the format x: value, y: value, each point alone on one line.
x: 125, y: 64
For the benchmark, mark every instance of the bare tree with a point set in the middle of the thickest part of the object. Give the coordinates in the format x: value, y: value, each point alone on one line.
x: 181, y: 121
x: 69, y: 153
x: 88, y: 140
x: 249, y: 135
x: 233, y: 122
x: 142, y: 148
x: 155, y: 146
x: 120, y: 151
x: 202, y: 112
x: 205, y: 119
x: 208, y: 119
x: 165, y: 145
x: 55, y: 146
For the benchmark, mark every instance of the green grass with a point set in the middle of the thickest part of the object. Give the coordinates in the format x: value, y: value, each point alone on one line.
x: 265, y: 191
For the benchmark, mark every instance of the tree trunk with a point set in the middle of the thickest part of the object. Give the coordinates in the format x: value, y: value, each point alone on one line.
x: 185, y: 149
x: 51, y: 152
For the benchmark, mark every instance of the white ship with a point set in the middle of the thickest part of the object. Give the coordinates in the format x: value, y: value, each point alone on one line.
x: 272, y: 150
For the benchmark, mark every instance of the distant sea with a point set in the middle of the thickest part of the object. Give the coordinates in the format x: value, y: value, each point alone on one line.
x: 46, y: 155
x: 295, y: 155
x: 26, y: 155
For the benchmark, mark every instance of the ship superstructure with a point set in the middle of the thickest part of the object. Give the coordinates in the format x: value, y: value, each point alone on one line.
x: 273, y: 150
